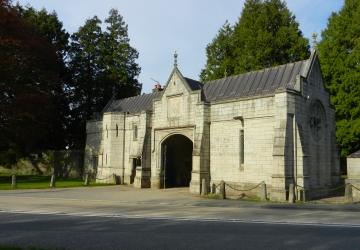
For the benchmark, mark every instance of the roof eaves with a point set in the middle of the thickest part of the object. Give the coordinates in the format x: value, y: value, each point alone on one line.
x: 354, y: 155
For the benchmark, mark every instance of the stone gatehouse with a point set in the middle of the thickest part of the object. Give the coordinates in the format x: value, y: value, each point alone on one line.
x: 274, y: 125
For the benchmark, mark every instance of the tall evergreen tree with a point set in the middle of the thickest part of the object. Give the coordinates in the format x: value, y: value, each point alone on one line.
x: 266, y: 35
x: 340, y: 61
x: 86, y: 71
x: 219, y: 54
x: 119, y: 58
x: 102, y: 65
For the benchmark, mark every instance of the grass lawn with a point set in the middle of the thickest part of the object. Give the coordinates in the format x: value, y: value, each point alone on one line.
x: 34, y: 181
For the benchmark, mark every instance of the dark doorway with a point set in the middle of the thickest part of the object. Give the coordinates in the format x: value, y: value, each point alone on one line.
x: 176, y: 161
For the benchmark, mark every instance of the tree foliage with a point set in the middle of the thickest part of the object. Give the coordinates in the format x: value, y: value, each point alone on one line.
x: 340, y: 61
x: 49, y: 26
x: 119, y: 57
x: 29, y: 78
x: 266, y: 35
x: 48, y: 87
x: 220, y: 54
x: 51, y: 29
x: 102, y: 65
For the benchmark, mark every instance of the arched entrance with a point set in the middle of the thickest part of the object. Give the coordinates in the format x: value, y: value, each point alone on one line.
x: 176, y: 159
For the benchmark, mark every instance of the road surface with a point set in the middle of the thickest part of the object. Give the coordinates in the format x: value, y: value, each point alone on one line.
x: 126, y: 218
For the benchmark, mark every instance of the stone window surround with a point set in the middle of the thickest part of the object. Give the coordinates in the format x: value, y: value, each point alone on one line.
x: 241, y: 143
x: 135, y: 131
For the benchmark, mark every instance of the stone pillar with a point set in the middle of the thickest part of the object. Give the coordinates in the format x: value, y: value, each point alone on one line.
x: 204, y: 188
x: 278, y: 183
x: 13, y: 182
x: 291, y: 198
x: 142, y: 178
x: 348, y: 193
x: 222, y: 190
x: 86, y: 182
x: 213, y: 188
x: 155, y: 182
x: 52, y: 181
x: 116, y: 179
x: 302, y: 195
x: 263, y: 192
x: 195, y: 175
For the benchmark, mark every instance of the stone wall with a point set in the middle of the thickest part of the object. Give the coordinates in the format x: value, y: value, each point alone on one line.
x: 317, y: 153
x: 225, y: 151
x: 134, y: 142
x: 179, y: 111
x: 288, y: 137
x: 121, y: 146
x: 111, y: 158
x: 353, y: 175
x: 93, y: 145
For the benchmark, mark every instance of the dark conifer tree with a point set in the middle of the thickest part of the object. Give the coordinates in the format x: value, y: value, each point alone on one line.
x: 340, y: 61
x: 266, y: 35
x: 102, y: 64
x: 119, y: 58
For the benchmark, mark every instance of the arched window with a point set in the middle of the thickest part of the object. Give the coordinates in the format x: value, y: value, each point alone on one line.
x: 135, y: 132
x: 242, y: 155
x: 241, y: 143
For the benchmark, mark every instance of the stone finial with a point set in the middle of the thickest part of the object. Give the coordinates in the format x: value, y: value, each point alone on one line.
x: 175, y: 59
x: 314, y: 40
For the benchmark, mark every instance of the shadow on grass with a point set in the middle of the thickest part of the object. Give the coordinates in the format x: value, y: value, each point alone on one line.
x: 38, y: 182
x: 26, y: 248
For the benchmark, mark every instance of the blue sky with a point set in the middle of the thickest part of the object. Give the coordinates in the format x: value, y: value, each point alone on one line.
x: 159, y: 27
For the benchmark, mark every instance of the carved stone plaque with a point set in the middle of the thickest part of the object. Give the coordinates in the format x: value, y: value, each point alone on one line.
x: 175, y: 106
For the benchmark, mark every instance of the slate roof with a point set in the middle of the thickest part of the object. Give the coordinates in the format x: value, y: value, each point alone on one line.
x: 255, y: 83
x: 133, y: 104
x: 194, y: 85
x: 355, y: 155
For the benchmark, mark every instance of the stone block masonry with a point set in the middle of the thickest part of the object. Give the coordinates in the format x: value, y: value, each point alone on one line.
x: 273, y: 126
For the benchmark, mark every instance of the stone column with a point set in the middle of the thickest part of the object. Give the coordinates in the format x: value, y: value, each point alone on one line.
x: 204, y: 187
x: 279, y: 176
x: 195, y: 175
x: 278, y: 183
x: 13, y: 182
x: 263, y: 192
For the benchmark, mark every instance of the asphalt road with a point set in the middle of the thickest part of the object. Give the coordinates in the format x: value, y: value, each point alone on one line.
x: 92, y: 232
x: 128, y: 202
x: 122, y: 217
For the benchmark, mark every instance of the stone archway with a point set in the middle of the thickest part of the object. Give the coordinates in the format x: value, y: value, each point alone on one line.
x: 176, y: 161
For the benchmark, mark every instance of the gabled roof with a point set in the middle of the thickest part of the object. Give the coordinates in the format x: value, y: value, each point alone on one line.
x: 194, y: 85
x: 255, y: 83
